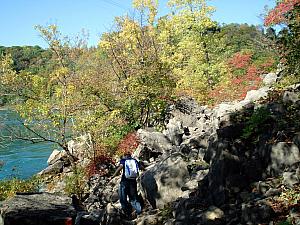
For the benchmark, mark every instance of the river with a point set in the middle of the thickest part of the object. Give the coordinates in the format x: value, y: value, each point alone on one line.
x: 18, y: 158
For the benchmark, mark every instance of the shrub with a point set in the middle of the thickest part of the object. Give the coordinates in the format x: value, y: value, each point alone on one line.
x: 76, y: 182
x: 102, y: 164
x: 8, y: 188
x: 128, y: 144
x: 256, y: 122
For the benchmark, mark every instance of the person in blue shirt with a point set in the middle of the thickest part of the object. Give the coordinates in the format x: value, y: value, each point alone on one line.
x: 128, y: 188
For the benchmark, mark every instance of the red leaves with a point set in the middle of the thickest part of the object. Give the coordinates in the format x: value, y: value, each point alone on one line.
x: 245, y: 76
x: 100, y: 165
x: 240, y: 60
x: 278, y: 14
x: 129, y: 143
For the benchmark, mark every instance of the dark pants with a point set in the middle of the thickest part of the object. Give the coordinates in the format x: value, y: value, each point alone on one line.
x: 128, y: 188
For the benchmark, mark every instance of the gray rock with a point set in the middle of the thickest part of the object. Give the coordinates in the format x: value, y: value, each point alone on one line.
x: 149, y: 220
x: 55, y: 155
x: 174, y: 131
x: 255, y: 95
x: 290, y: 97
x: 256, y: 212
x: 53, y: 169
x: 37, y: 209
x: 213, y: 214
x: 272, y: 192
x: 163, y: 182
x: 270, y: 79
x: 290, y: 178
x: 283, y: 155
x: 81, y: 147
x: 296, y: 139
x: 155, y: 141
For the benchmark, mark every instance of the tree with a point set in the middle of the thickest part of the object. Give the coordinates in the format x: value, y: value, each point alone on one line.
x: 133, y: 50
x: 287, y: 13
x: 191, y: 48
x: 47, y: 99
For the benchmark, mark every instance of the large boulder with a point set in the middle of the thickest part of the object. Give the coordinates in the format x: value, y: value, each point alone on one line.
x: 53, y: 169
x: 255, y: 95
x: 163, y: 182
x: 174, y: 131
x: 57, y: 155
x: 81, y: 147
x: 154, y: 141
x: 38, y: 209
x: 283, y: 155
x: 270, y: 79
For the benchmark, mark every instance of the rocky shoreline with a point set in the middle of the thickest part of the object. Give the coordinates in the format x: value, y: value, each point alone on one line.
x: 228, y: 165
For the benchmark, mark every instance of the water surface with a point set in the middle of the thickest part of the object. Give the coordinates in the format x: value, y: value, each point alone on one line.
x: 19, y: 158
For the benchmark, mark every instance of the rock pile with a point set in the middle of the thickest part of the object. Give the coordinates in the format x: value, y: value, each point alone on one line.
x: 226, y: 165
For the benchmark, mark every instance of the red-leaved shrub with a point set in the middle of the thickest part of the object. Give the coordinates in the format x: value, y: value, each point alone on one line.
x: 128, y: 144
x: 101, y: 164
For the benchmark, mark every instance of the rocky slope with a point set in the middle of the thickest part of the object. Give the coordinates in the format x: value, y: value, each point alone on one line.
x: 237, y: 163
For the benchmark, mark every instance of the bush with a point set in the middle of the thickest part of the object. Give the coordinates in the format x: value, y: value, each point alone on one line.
x: 256, y: 122
x: 102, y: 164
x: 8, y: 188
x: 128, y: 144
x: 76, y: 182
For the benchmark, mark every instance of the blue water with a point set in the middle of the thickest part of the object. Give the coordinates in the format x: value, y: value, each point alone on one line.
x: 18, y: 158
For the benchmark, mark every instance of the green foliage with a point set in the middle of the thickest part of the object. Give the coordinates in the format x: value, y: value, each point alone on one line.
x: 47, y: 99
x: 291, y: 196
x: 285, y: 223
x: 167, y: 212
x: 142, y: 77
x: 8, y: 188
x: 256, y: 122
x: 76, y: 182
x: 29, y: 58
x: 288, y: 81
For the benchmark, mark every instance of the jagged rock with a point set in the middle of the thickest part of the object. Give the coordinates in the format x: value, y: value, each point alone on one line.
x: 255, y: 95
x: 163, y: 182
x: 213, y: 216
x: 149, y: 220
x: 54, y: 168
x: 55, y: 155
x: 283, y: 155
x: 174, y: 131
x: 37, y: 209
x: 290, y: 97
x: 225, y: 172
x: 270, y: 79
x: 256, y: 212
x: 93, y: 218
x: 290, y: 179
x: 170, y: 222
x: 296, y: 139
x: 155, y: 141
x: 81, y: 147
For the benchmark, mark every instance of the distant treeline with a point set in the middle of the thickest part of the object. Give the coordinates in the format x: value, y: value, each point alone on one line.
x: 26, y: 57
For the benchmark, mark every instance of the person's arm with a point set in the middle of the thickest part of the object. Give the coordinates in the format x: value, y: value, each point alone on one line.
x: 141, y: 165
x: 120, y: 167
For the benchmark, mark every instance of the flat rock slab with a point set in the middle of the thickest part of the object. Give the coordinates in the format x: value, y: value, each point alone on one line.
x: 37, y: 209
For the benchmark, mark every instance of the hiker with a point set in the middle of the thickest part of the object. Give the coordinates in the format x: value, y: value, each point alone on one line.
x: 128, y: 184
